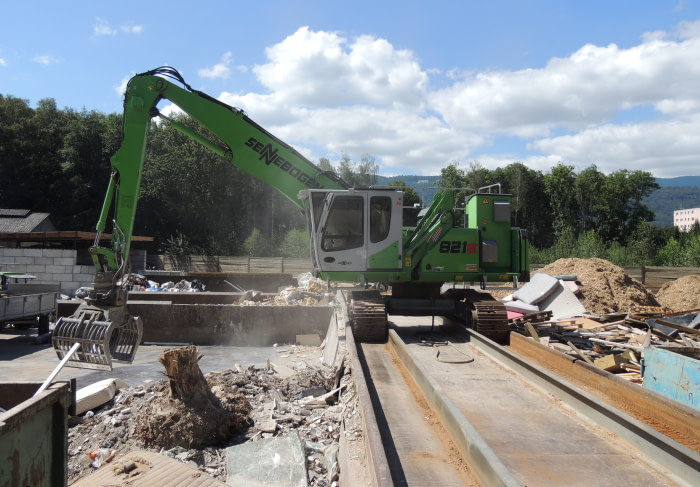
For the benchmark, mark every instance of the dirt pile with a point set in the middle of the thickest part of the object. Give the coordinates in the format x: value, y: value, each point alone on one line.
x: 605, y: 288
x: 682, y: 294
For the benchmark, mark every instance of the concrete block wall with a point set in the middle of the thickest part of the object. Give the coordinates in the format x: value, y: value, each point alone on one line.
x: 50, y: 266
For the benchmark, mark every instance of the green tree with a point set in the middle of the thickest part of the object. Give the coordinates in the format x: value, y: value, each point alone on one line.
x: 325, y: 164
x: 90, y: 139
x: 588, y: 185
x: 672, y: 254
x: 453, y: 178
x: 558, y: 185
x: 357, y: 175
x: 476, y: 176
x: 620, y: 209
x: 295, y: 244
x: 256, y: 245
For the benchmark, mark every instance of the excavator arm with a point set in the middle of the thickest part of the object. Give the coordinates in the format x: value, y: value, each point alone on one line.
x: 103, y: 327
x: 240, y: 140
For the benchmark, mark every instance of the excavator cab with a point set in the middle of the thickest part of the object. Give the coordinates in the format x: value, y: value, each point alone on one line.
x: 356, y: 231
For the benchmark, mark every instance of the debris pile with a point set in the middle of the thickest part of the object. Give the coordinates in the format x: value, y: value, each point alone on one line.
x: 310, y: 291
x: 305, y: 397
x: 200, y: 417
x: 592, y: 310
x: 137, y: 282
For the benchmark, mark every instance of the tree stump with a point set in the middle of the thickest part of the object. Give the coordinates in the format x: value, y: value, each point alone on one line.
x: 191, y: 416
x: 187, y: 383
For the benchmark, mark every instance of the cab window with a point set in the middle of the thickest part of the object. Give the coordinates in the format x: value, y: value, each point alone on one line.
x: 379, y: 218
x: 345, y: 224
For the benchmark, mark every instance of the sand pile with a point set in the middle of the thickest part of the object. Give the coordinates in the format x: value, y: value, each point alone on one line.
x: 605, y: 287
x: 682, y: 294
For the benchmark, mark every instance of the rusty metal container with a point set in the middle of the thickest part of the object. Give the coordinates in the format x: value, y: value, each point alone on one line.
x: 34, y: 433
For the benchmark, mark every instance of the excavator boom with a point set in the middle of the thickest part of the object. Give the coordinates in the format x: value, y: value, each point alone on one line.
x: 103, y: 326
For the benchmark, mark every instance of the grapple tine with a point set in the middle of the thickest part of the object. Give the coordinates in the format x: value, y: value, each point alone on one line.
x: 100, y: 340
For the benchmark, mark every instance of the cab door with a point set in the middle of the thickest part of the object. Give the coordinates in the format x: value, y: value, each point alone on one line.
x: 341, y: 238
x: 385, y: 230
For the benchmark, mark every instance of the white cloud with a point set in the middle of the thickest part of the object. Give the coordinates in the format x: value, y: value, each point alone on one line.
x: 221, y: 70
x: 325, y: 69
x: 131, y: 29
x: 102, y: 28
x: 2, y: 62
x: 636, y: 107
x: 45, y: 60
x: 669, y: 147
x: 121, y: 88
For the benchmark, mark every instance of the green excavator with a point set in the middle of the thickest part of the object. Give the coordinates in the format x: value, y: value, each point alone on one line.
x: 357, y: 235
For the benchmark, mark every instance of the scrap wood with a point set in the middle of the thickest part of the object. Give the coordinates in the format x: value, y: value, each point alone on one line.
x: 685, y: 329
x: 687, y: 341
x: 581, y: 322
x: 580, y: 353
x: 538, y: 317
x: 532, y: 331
x: 617, y: 344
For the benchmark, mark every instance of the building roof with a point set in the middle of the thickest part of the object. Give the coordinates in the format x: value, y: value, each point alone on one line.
x: 21, y: 221
x: 23, y: 227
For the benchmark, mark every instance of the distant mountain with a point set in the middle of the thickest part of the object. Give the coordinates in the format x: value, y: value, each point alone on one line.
x: 680, y: 181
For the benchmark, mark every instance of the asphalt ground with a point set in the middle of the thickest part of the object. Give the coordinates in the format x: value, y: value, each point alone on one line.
x: 22, y: 360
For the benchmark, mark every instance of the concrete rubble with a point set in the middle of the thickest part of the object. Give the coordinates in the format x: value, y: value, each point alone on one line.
x: 300, y: 396
x: 307, y: 402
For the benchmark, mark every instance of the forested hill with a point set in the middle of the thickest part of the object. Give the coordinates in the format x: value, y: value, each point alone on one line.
x: 680, y: 181
x: 673, y: 194
x: 665, y: 200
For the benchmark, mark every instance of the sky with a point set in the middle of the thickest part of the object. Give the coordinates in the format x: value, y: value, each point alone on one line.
x: 415, y: 85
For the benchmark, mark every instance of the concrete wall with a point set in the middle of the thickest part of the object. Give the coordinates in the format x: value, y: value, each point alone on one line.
x: 207, y: 324
x: 50, y: 266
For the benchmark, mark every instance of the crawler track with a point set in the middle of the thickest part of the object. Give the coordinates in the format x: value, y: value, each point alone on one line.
x: 458, y: 412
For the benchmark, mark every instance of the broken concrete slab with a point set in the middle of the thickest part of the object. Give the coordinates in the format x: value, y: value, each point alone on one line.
x: 540, y: 286
x: 562, y: 303
x: 278, y: 461
x: 522, y: 307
